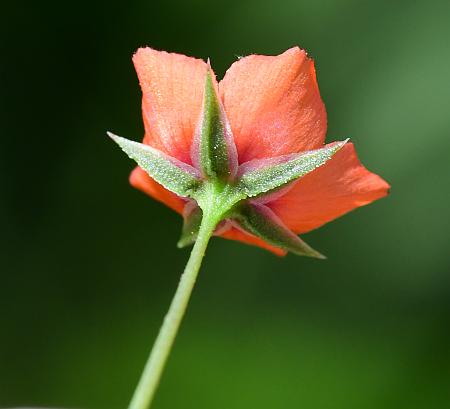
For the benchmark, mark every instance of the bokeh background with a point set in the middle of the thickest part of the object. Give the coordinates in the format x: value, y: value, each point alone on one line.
x: 89, y: 265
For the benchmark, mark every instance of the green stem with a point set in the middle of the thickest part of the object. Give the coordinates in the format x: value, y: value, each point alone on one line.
x: 151, y: 376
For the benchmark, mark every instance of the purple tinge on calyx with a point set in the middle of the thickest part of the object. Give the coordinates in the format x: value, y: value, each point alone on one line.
x: 213, y: 150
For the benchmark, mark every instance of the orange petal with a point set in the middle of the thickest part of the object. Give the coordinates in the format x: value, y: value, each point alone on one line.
x: 142, y: 181
x: 239, y: 235
x: 273, y: 105
x: 172, y: 87
x: 328, y: 192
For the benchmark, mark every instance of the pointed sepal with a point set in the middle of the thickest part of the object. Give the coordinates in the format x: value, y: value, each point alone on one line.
x: 176, y: 176
x: 192, y: 218
x: 213, y: 150
x: 261, y: 176
x: 260, y: 221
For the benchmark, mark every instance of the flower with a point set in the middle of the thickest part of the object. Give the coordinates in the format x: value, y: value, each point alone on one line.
x: 269, y: 113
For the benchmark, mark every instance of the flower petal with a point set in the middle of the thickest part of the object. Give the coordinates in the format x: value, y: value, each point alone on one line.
x: 328, y: 192
x: 172, y: 87
x: 237, y: 234
x: 142, y: 181
x: 273, y: 105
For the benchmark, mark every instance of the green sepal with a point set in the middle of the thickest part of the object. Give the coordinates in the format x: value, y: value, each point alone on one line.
x: 213, y: 150
x: 260, y: 221
x: 174, y: 175
x: 260, y: 176
x: 192, y: 218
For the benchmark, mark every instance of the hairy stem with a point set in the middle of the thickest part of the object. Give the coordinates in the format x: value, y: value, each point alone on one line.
x: 145, y: 391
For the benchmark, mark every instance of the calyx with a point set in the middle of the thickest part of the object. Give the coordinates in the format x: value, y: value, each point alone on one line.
x: 217, y: 188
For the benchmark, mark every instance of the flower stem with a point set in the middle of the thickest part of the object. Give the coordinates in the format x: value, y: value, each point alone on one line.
x: 145, y: 391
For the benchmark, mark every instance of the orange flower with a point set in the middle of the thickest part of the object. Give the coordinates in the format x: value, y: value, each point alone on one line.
x: 244, y: 159
x: 274, y: 108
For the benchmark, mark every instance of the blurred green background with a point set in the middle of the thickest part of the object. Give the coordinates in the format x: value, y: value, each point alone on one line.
x: 88, y: 265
